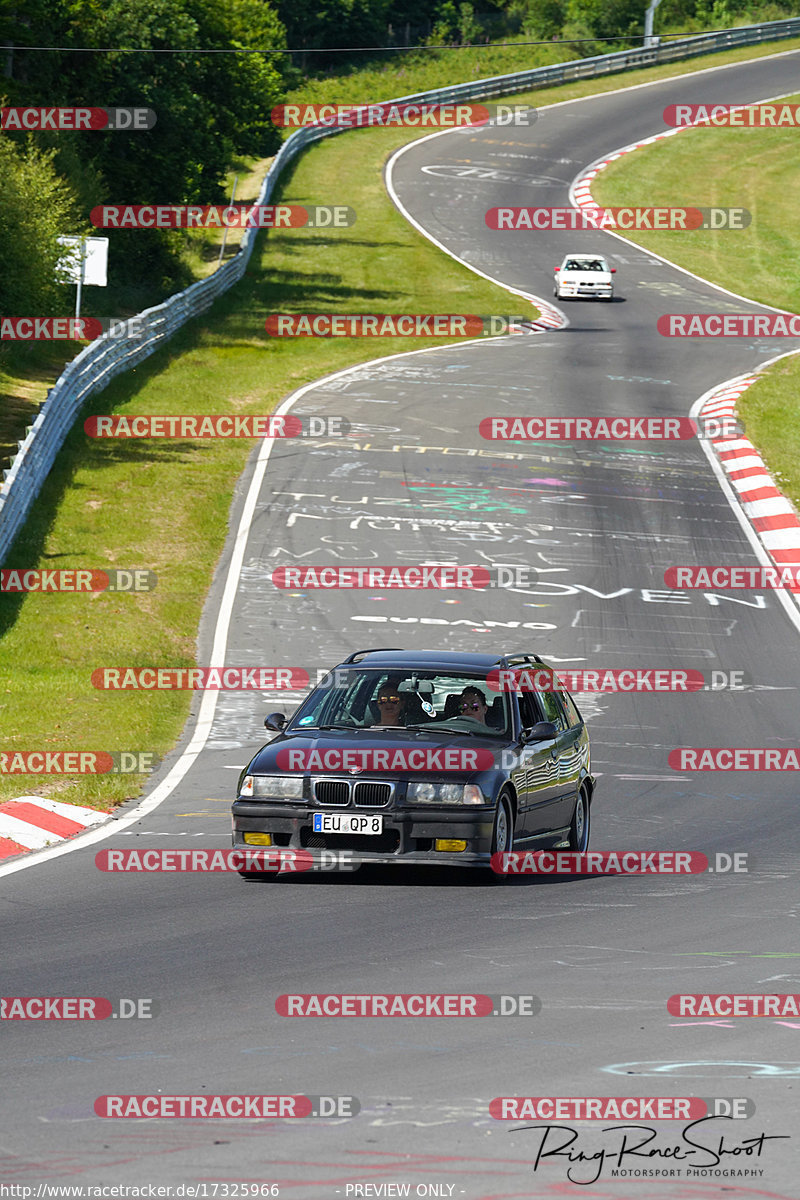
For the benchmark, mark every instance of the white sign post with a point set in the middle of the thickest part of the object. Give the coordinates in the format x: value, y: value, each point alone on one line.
x: 85, y: 262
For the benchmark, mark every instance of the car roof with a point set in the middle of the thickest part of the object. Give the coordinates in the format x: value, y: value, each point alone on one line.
x: 584, y: 254
x: 429, y: 660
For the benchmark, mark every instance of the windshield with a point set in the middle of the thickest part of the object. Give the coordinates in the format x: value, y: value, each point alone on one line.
x: 586, y: 264
x: 378, y: 699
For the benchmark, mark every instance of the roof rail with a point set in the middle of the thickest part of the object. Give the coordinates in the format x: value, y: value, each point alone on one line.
x: 506, y: 660
x: 372, y: 650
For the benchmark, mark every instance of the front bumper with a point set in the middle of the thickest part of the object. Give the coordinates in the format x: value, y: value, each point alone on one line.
x: 408, y: 834
x: 600, y: 293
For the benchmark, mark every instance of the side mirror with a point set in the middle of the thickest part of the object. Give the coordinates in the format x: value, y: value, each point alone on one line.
x: 613, y: 270
x: 556, y: 268
x: 275, y: 721
x: 540, y: 732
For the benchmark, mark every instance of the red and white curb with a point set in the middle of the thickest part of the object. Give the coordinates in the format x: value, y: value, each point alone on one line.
x: 771, y: 515
x: 33, y: 822
x: 550, y: 318
x: 581, y: 191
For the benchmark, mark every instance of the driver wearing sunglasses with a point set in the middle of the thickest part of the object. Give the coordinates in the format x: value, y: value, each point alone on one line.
x: 391, y: 703
x: 472, y: 703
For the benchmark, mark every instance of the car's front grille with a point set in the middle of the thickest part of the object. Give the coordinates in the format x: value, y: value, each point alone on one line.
x: 331, y: 791
x: 363, y: 793
x: 372, y: 795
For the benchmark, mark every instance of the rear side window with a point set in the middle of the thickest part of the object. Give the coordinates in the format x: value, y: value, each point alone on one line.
x: 573, y: 716
x: 550, y: 705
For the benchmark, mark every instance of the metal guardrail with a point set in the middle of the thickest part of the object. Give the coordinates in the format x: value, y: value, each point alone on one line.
x: 106, y: 357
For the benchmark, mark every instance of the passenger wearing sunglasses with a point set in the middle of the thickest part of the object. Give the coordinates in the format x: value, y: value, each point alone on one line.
x: 391, y: 703
x: 472, y: 703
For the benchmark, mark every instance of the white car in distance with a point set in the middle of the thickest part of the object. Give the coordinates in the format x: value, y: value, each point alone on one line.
x: 584, y: 275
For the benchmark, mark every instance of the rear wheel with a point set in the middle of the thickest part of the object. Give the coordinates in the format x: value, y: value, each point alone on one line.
x: 580, y: 827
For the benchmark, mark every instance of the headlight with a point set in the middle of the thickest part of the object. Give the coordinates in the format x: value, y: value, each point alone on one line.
x: 444, y: 793
x: 274, y: 787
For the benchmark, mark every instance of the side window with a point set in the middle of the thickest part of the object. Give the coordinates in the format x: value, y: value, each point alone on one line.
x: 551, y: 707
x: 528, y: 712
x: 573, y: 716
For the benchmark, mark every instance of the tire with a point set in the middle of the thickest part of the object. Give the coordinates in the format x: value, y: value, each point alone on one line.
x: 503, y: 831
x: 581, y: 824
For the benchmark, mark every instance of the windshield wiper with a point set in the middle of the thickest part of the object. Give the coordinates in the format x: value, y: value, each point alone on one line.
x: 302, y: 728
x: 441, y: 728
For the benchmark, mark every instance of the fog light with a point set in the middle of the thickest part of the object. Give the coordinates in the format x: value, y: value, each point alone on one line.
x: 258, y: 839
x: 449, y: 844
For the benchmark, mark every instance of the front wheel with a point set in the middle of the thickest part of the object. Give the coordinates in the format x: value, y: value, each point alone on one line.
x: 502, y: 833
x: 580, y: 826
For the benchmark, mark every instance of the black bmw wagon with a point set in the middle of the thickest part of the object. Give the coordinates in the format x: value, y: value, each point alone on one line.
x: 422, y: 757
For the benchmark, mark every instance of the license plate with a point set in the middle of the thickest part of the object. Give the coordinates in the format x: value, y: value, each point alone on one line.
x: 347, y: 823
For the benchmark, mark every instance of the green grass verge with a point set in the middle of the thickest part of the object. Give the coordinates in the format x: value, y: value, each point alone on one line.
x: 756, y: 169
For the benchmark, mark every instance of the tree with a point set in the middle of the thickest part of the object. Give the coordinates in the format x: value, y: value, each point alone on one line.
x: 36, y: 206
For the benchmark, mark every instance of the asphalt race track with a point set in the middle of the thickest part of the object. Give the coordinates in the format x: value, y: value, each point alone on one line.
x: 600, y: 522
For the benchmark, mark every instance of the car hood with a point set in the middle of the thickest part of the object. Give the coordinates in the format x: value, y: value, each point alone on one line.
x: 265, y: 762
